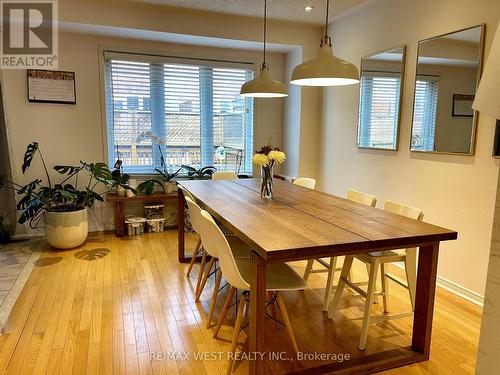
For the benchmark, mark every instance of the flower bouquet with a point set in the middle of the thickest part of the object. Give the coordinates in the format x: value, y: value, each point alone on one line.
x: 265, y: 158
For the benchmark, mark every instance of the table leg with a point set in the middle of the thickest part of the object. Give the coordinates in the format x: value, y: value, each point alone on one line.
x: 119, y: 219
x: 424, y: 299
x: 180, y: 227
x: 257, y: 314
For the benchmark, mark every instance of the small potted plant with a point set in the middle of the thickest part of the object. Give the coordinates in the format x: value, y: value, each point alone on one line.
x: 168, y: 179
x: 202, y: 173
x: 120, y: 180
x: 165, y: 180
x: 62, y: 206
x: 148, y: 187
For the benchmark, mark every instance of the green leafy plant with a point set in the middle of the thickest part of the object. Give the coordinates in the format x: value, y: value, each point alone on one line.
x: 119, y: 178
x: 36, y: 198
x: 200, y: 173
x: 166, y: 176
x: 148, y: 187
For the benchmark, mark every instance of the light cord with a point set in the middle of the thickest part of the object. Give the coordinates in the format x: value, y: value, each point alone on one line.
x: 326, y: 40
x: 265, y: 30
x: 327, y: 14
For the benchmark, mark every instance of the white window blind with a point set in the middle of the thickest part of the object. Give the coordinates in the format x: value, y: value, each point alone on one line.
x: 193, y: 106
x: 379, y: 110
x: 424, y: 114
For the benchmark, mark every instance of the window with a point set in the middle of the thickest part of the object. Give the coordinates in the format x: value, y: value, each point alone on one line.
x: 424, y: 114
x: 193, y: 106
x: 379, y: 110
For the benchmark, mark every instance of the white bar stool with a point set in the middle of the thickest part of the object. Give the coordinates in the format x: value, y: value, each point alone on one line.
x: 331, y: 266
x: 375, y: 261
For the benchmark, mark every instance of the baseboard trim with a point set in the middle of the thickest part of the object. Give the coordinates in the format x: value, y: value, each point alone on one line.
x: 460, y: 291
x: 456, y: 289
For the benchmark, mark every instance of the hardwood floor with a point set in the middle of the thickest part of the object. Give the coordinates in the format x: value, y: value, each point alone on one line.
x: 122, y: 305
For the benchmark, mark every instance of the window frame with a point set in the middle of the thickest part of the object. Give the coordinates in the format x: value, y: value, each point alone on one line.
x: 402, y: 83
x: 397, y: 108
x: 425, y: 78
x: 178, y: 56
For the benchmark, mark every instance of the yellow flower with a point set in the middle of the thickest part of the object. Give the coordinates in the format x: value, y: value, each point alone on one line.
x: 260, y: 160
x: 278, y: 156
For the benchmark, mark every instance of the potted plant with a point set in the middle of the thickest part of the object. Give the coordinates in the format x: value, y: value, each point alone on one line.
x: 62, y: 206
x: 201, y: 173
x: 168, y: 179
x: 165, y: 179
x: 120, y: 180
x: 148, y: 187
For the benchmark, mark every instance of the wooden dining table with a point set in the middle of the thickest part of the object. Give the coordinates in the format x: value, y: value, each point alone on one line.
x: 300, y: 223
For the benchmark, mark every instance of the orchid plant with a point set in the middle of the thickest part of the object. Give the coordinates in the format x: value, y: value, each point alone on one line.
x: 163, y: 173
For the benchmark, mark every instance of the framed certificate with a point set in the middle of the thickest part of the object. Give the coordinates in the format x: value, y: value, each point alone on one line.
x: 462, y: 105
x: 49, y: 86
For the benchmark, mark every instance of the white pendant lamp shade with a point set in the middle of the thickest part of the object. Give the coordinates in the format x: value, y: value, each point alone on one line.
x: 264, y: 86
x: 326, y: 69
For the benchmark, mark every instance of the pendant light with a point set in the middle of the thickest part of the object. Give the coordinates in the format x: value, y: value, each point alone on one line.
x: 326, y: 69
x: 264, y: 86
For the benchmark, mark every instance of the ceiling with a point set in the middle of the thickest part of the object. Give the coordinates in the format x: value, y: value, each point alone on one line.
x: 290, y: 10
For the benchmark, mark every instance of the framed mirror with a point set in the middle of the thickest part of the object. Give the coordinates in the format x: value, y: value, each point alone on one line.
x: 448, y: 72
x: 380, y: 92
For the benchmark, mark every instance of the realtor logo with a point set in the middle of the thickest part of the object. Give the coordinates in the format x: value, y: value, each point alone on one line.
x: 29, y: 34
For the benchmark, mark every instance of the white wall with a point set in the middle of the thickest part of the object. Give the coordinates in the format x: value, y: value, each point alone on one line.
x: 143, y: 16
x: 489, y: 341
x: 457, y: 192
x: 70, y: 133
x: 75, y: 131
x: 291, y: 129
x: 453, y: 133
x: 7, y: 202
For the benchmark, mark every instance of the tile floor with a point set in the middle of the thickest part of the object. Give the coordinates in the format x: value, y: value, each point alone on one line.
x: 17, y: 259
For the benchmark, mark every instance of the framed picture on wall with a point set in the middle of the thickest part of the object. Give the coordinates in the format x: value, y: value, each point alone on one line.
x: 462, y: 105
x: 51, y: 86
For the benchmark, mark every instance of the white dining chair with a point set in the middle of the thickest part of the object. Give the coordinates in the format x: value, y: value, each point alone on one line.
x: 368, y: 200
x: 376, y: 260
x: 210, y: 249
x: 362, y: 198
x: 237, y: 272
x: 198, y: 248
x: 331, y: 266
x: 306, y: 182
x: 224, y: 176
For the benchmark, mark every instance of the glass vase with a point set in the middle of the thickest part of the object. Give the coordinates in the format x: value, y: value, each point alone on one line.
x: 266, y: 185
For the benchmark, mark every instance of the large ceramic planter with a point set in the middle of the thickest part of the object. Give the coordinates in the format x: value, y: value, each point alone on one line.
x: 66, y: 230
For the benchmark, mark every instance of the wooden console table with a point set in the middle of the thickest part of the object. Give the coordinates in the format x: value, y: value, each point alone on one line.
x: 119, y: 203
